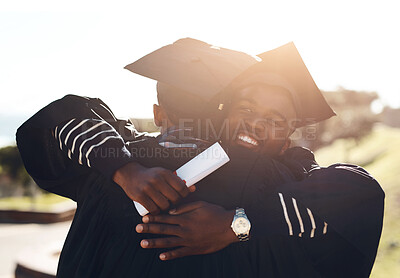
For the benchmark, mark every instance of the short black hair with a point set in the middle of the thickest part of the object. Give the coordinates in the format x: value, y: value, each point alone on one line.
x: 197, y: 113
x: 179, y: 104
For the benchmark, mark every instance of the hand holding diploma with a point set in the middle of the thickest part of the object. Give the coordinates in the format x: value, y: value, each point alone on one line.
x: 197, y: 168
x: 155, y: 188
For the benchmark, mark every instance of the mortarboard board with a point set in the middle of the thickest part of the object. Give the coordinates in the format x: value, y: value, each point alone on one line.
x: 283, y: 66
x: 205, y: 71
x: 194, y: 66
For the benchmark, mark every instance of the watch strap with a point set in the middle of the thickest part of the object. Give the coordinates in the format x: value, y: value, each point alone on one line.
x: 245, y: 236
x: 240, y: 212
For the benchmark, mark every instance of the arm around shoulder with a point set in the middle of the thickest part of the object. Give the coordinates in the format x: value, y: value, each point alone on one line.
x: 43, y: 154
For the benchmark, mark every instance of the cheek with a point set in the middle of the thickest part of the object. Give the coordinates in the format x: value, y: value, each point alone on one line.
x: 267, y: 131
x: 272, y: 147
x: 233, y: 122
x: 275, y: 141
x: 277, y: 133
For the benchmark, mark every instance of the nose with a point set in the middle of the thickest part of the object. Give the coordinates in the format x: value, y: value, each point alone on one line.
x: 256, y: 127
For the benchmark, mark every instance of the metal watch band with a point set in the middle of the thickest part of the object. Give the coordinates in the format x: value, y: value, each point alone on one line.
x: 243, y: 237
x: 240, y: 213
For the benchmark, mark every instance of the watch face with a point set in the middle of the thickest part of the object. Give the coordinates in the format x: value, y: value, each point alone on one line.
x: 241, y: 225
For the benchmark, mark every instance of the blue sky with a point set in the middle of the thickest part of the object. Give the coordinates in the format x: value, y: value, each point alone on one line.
x: 52, y: 48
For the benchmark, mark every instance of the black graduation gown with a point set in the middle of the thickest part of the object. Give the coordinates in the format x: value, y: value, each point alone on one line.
x: 102, y: 241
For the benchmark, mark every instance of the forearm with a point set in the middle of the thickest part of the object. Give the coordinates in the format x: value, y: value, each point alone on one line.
x: 43, y: 156
x: 228, y: 233
x: 94, y: 144
x: 349, y: 200
x: 283, y: 215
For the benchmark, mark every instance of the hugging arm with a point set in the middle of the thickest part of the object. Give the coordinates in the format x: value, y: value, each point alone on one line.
x: 350, y: 200
x: 202, y: 228
x: 41, y: 141
x: 336, y: 213
x: 265, y: 207
x: 72, y: 135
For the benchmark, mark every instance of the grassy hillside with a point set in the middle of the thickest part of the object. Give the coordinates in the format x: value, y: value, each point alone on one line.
x: 42, y: 203
x: 379, y: 154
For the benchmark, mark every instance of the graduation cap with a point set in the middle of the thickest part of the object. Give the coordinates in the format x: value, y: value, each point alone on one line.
x: 206, y: 72
x: 193, y: 67
x: 284, y: 67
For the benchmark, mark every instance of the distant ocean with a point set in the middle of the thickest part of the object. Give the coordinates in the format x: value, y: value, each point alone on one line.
x: 8, y: 128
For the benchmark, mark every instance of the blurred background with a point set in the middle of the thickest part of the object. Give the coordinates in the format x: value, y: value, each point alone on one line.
x: 49, y: 49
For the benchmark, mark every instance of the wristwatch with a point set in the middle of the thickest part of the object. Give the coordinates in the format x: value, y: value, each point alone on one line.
x: 241, y: 225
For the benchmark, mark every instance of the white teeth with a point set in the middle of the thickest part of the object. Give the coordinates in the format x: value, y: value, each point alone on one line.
x: 248, y: 140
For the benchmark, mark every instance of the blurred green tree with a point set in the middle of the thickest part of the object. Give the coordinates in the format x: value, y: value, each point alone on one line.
x: 11, y: 165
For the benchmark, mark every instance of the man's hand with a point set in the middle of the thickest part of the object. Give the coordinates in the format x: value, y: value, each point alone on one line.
x: 197, y: 228
x: 154, y: 188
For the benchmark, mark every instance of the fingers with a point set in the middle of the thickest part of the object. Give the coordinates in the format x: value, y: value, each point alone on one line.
x: 177, y: 253
x: 157, y: 197
x: 148, y: 204
x: 165, y: 219
x: 175, y: 182
x: 162, y: 229
x: 154, y: 188
x: 167, y: 242
x: 168, y: 191
x: 187, y: 207
x: 164, y: 186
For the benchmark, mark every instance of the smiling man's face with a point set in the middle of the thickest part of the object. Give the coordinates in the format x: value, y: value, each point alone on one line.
x: 261, y: 118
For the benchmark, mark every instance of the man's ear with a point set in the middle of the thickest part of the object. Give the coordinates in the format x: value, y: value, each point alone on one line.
x: 158, y: 113
x: 285, y: 146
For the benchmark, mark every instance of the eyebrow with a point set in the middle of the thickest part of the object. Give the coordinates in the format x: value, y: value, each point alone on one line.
x: 252, y: 101
x: 279, y: 114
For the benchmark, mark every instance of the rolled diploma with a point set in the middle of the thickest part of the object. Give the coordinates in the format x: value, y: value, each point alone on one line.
x: 197, y: 168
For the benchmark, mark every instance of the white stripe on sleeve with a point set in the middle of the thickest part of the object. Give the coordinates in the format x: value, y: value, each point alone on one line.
x: 286, y: 214
x: 84, y: 132
x: 72, y: 130
x: 97, y: 114
x: 87, y: 140
x: 312, y: 222
x: 112, y: 115
x: 325, y: 228
x: 94, y: 146
x: 59, y: 135
x: 298, y: 217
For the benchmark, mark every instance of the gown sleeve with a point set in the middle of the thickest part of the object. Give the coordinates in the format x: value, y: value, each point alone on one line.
x: 67, y: 137
x: 272, y: 211
x: 349, y: 199
x: 332, y: 211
